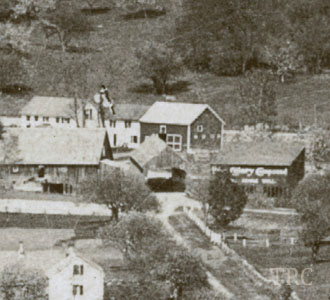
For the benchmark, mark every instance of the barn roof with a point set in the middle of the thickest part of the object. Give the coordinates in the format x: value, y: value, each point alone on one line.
x: 150, y: 148
x: 55, y: 146
x: 258, y: 154
x: 49, y: 107
x: 175, y: 113
x: 132, y: 112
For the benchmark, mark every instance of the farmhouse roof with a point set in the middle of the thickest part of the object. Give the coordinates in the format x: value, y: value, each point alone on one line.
x: 49, y: 107
x: 57, y: 146
x: 175, y: 113
x: 131, y: 112
x: 258, y: 154
x: 150, y: 148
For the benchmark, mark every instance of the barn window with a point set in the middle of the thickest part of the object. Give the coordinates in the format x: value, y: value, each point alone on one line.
x: 36, y: 118
x: 57, y: 120
x: 134, y: 139
x: 41, y: 171
x: 45, y: 119
x: 200, y: 128
x: 78, y: 270
x: 174, y: 141
x: 74, y: 290
x: 28, y: 118
x: 81, y: 290
x: 162, y: 129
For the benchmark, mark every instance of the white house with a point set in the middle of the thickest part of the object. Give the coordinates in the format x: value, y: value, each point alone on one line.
x: 49, y: 111
x: 70, y: 276
x: 75, y: 277
x: 124, y: 126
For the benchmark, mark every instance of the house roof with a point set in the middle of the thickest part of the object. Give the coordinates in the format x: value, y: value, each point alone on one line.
x: 50, y: 262
x: 258, y: 154
x: 55, y: 146
x: 175, y: 113
x: 132, y: 112
x: 150, y: 148
x: 49, y: 107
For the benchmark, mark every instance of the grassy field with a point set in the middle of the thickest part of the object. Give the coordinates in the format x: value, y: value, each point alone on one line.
x: 111, y: 49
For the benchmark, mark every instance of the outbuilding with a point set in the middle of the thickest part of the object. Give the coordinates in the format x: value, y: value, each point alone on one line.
x: 268, y: 168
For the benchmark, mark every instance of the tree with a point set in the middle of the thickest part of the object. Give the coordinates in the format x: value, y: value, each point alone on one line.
x: 158, y: 63
x: 66, y: 21
x: 119, y: 191
x: 311, y: 200
x: 310, y: 28
x: 183, y: 271
x: 320, y: 147
x: 234, y: 31
x: 258, y: 97
x: 226, y: 199
x: 20, y: 283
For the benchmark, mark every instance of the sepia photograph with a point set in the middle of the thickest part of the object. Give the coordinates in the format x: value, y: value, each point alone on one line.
x: 164, y: 150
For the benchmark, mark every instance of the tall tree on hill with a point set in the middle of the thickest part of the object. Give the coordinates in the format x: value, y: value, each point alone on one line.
x: 310, y: 28
x: 311, y: 200
x: 66, y: 21
x: 233, y: 30
x: 2, y: 130
x: 258, y: 97
x: 158, y: 63
x: 119, y: 192
x: 226, y: 199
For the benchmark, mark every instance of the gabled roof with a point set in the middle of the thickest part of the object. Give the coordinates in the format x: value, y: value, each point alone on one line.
x: 175, y: 113
x: 57, y: 146
x: 49, y: 107
x: 68, y: 261
x: 150, y: 148
x: 130, y: 112
x: 258, y: 154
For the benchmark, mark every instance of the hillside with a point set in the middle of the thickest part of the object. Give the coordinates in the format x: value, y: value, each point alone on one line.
x: 111, y: 47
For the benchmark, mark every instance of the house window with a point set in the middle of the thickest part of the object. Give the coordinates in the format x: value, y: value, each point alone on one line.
x: 203, y: 136
x: 89, y: 114
x: 36, y: 118
x: 196, y: 137
x: 66, y: 120
x: 41, y: 171
x: 78, y: 270
x: 162, y: 129
x: 134, y: 139
x: 200, y: 128
x: 45, y: 119
x: 128, y: 124
x: 28, y: 118
x: 77, y: 289
x: 212, y: 136
x: 174, y: 141
x: 112, y: 123
x: 57, y: 120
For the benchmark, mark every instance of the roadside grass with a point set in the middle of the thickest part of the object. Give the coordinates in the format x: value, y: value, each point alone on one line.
x: 182, y: 224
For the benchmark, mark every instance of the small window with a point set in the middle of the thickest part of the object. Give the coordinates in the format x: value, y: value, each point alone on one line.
x: 196, y: 137
x: 218, y: 136
x: 212, y: 136
x: 162, y: 129
x: 203, y: 136
x: 128, y: 124
x: 41, y: 171
x: 57, y: 120
x: 45, y: 119
x: 28, y: 118
x: 81, y: 270
x: 200, y: 128
x: 76, y: 270
x: 112, y: 123
x: 134, y: 139
x: 67, y: 120
x: 81, y: 290
x: 74, y: 290
x: 89, y: 114
x: 36, y: 118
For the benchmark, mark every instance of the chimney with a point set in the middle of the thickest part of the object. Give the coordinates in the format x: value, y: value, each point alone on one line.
x: 21, y: 252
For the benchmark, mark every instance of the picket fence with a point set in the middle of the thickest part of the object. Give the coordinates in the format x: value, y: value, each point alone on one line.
x: 216, y: 239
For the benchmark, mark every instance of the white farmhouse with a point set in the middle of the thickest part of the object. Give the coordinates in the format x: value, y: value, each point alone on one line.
x: 124, y: 126
x: 74, y: 277
x: 49, y: 111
